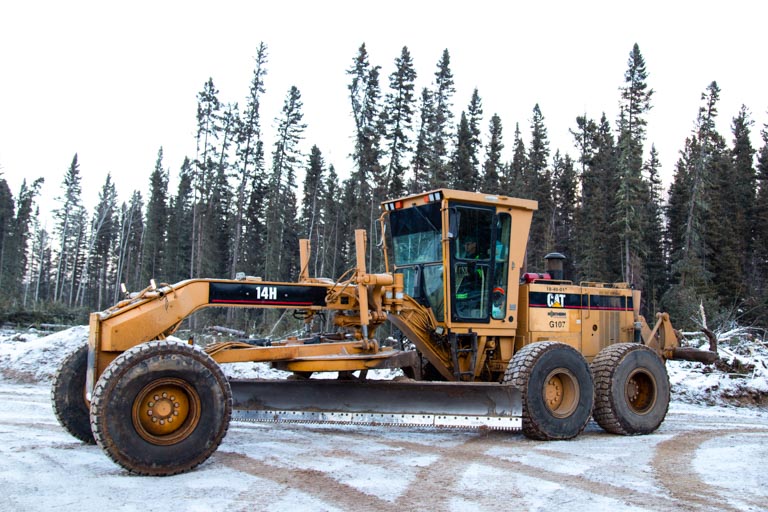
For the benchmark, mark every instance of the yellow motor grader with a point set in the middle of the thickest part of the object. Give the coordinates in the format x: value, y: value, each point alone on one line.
x: 486, y: 345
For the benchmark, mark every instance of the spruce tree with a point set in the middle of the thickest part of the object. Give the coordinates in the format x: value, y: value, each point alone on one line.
x: 423, y: 153
x: 41, y: 265
x: 655, y: 272
x: 364, y: 96
x: 463, y: 175
x: 281, y: 198
x: 515, y: 181
x: 761, y: 223
x: 250, y: 170
x: 442, y: 121
x: 156, y: 224
x: 399, y: 109
x: 493, y: 167
x: 178, y: 251
x: 334, y: 258
x: 632, y: 191
x: 215, y: 256
x: 584, y: 139
x: 97, y: 290
x: 595, y: 255
x: 254, y: 236
x: 691, y: 218
x: 312, y: 214
x: 724, y: 223
x: 128, y: 248
x: 744, y: 182
x: 15, y: 230
x: 475, y: 119
x: 541, y: 240
x: 6, y: 232
x: 209, y: 128
x: 70, y: 232
x: 564, y: 215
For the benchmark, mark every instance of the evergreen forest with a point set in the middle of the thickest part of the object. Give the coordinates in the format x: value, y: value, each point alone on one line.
x: 239, y: 206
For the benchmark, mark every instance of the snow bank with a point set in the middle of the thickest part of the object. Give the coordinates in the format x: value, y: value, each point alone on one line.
x: 739, y: 378
x: 31, y: 356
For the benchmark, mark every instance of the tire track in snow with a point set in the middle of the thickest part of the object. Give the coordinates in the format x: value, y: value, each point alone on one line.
x: 314, y: 483
x: 673, y: 463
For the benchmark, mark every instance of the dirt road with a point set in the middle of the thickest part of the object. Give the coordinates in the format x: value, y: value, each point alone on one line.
x: 701, y: 459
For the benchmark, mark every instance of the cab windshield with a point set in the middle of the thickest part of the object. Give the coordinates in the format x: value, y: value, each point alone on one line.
x: 418, y: 253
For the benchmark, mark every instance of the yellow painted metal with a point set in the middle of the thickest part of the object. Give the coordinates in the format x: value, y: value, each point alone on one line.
x: 334, y: 364
x: 662, y: 338
x: 238, y: 353
x: 561, y: 392
x: 166, y: 411
x: 363, y: 301
x: 640, y: 391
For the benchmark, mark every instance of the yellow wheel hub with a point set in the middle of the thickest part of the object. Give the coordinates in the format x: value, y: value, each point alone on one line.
x: 561, y: 392
x: 640, y: 391
x: 166, y: 411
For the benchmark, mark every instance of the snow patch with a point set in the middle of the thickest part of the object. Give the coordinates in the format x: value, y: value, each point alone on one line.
x: 31, y: 357
x: 739, y: 378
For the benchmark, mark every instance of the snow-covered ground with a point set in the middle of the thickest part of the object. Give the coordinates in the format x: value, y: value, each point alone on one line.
x: 704, y: 457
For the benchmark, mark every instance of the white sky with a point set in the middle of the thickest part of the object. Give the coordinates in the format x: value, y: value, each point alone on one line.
x: 115, y: 81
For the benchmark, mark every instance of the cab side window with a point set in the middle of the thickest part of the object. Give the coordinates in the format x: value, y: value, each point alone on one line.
x: 471, y: 260
x: 500, y: 266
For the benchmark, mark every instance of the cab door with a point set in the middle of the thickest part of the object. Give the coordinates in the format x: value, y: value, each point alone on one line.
x: 479, y: 263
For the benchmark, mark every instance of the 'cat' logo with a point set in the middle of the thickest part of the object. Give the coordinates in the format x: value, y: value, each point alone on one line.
x: 555, y: 300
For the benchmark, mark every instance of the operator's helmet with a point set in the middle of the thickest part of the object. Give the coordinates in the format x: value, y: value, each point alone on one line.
x: 497, y: 303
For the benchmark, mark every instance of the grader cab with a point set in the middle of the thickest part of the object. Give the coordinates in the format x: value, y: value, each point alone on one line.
x: 486, y: 345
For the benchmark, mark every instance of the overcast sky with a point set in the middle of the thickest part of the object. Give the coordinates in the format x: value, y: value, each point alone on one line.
x: 114, y: 81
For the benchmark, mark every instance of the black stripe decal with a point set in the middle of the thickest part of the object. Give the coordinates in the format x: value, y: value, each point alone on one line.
x: 580, y: 301
x: 257, y: 294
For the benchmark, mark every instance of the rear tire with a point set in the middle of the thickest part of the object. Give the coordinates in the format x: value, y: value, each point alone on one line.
x: 161, y: 408
x: 68, y: 396
x: 556, y: 389
x: 631, y: 389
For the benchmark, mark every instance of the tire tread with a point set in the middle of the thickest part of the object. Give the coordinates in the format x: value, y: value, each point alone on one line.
x: 102, y: 392
x: 519, y: 373
x: 604, y: 367
x: 67, y: 397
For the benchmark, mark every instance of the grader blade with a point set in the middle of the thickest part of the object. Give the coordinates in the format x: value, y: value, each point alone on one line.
x: 403, y: 403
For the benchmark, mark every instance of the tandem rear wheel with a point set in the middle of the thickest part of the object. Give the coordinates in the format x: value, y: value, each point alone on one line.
x: 68, y: 395
x: 631, y: 389
x: 556, y: 388
x: 161, y: 408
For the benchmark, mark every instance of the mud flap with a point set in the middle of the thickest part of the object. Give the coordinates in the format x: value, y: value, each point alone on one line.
x: 402, y: 403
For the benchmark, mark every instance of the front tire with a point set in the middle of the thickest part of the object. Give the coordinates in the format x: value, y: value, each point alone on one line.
x: 556, y: 389
x: 68, y: 395
x: 631, y: 389
x: 161, y: 408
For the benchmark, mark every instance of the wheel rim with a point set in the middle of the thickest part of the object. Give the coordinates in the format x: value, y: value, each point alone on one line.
x: 561, y: 392
x: 640, y: 391
x: 166, y: 411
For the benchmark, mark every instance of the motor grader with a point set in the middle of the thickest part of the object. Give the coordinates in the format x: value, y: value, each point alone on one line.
x: 485, y: 345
